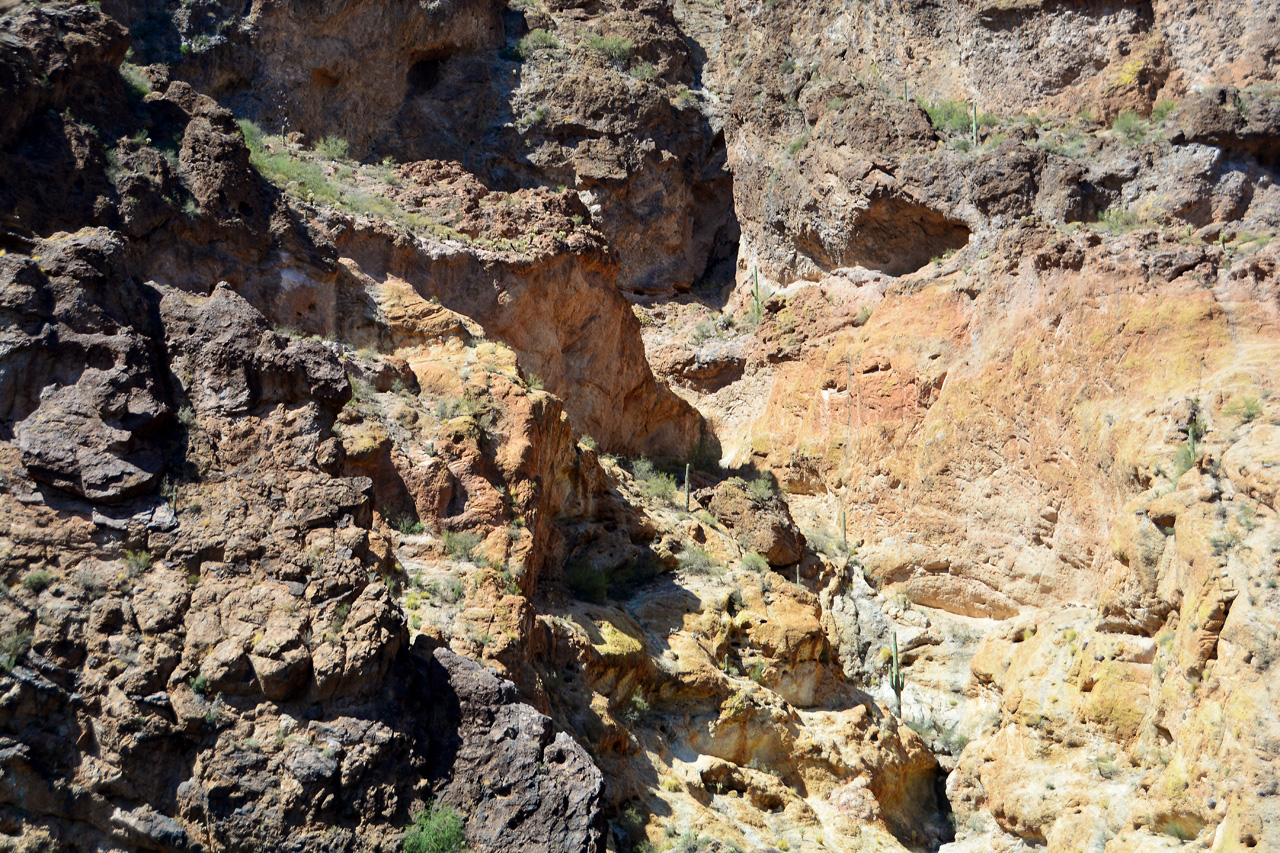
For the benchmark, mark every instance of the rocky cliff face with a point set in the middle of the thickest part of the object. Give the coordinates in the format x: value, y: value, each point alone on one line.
x: 324, y: 322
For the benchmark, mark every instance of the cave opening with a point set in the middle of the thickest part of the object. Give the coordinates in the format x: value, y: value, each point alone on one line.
x: 922, y: 818
x: 891, y: 234
x: 946, y: 819
x: 423, y: 76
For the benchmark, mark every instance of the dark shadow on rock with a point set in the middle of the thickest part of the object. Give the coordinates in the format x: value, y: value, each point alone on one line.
x: 894, y: 235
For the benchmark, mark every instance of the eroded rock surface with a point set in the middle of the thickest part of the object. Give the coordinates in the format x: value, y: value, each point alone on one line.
x: 323, y: 322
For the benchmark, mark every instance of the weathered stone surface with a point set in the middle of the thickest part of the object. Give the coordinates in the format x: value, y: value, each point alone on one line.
x: 202, y: 633
x: 83, y: 390
x: 525, y: 785
x: 1027, y: 368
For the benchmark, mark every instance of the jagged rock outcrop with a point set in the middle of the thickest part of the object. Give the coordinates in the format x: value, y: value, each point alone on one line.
x: 200, y: 644
x: 527, y: 785
x: 236, y: 636
x: 83, y: 395
x: 759, y: 518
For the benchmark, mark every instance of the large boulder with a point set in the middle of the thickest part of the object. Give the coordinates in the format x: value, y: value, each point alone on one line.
x: 760, y: 519
x: 81, y: 385
x: 524, y: 785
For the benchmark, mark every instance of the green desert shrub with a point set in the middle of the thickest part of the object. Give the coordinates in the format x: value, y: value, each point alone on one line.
x: 696, y: 561
x: 587, y: 582
x: 616, y: 48
x: 635, y: 709
x: 761, y: 490
x: 1246, y: 409
x: 596, y: 584
x: 532, y: 118
x: 12, y: 648
x: 1130, y: 126
x: 535, y: 41
x: 1162, y: 110
x: 1118, y: 220
x: 435, y: 829
x: 333, y: 148
x: 956, y: 116
x: 1224, y: 543
x: 654, y: 484
x: 303, y: 177
x: 449, y: 590
x: 37, y: 581
x: 635, y: 572
x: 407, y: 524
x: 136, y: 84
x: 137, y: 561
x: 460, y: 546
x: 252, y: 134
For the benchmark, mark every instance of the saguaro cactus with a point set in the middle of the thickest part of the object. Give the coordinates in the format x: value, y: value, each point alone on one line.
x: 896, y: 679
x: 758, y: 296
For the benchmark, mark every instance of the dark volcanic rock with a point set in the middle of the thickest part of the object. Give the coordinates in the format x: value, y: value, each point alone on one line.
x: 81, y: 384
x: 526, y: 786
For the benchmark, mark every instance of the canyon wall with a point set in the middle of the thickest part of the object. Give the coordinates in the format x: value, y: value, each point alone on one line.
x: 335, y: 333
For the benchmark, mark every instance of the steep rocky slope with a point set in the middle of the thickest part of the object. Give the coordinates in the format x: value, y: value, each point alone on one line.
x: 323, y: 324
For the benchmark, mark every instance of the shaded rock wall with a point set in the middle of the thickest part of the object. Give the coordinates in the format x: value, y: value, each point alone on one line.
x: 624, y: 131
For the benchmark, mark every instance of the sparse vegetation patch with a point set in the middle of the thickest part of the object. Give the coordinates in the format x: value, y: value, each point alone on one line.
x: 616, y: 48
x: 654, y: 484
x: 537, y: 40
x: 435, y: 829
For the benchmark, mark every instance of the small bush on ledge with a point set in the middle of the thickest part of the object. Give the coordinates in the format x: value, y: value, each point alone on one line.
x: 537, y: 40
x: 436, y: 829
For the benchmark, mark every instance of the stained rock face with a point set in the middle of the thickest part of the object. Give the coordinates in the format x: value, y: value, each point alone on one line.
x: 558, y: 310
